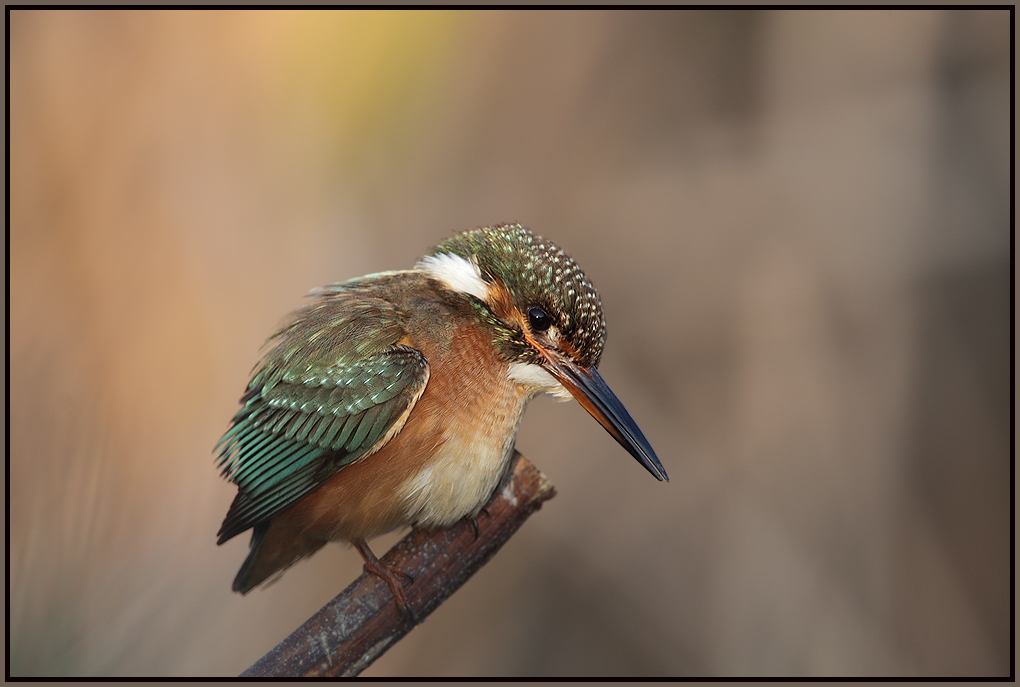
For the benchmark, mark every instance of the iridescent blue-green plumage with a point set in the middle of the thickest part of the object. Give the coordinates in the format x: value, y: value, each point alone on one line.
x: 332, y: 386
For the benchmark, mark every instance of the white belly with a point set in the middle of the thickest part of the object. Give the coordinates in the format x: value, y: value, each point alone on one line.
x: 464, y: 471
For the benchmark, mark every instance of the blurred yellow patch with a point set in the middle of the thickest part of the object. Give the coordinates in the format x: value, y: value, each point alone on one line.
x: 362, y: 69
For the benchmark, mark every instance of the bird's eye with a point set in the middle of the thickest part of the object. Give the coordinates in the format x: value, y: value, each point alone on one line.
x: 539, y: 319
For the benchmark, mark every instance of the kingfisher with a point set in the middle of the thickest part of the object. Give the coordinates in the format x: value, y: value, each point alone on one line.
x: 394, y: 399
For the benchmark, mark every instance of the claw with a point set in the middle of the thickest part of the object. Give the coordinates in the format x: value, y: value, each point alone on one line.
x: 473, y: 521
x: 391, y: 576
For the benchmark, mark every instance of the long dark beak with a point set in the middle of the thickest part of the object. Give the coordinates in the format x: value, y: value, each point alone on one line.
x: 592, y: 392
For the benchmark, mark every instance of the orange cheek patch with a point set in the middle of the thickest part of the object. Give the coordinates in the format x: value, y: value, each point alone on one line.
x: 502, y: 304
x: 568, y: 348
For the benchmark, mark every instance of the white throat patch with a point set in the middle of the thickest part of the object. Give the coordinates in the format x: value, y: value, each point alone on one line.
x: 537, y: 380
x: 456, y: 273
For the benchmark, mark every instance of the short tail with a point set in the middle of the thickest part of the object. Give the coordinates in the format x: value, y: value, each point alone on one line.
x: 272, y: 550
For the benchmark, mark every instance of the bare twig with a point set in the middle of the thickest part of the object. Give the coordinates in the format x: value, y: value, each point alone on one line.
x: 362, y: 622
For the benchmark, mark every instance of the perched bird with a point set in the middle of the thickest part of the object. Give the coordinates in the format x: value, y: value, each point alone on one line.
x: 394, y: 399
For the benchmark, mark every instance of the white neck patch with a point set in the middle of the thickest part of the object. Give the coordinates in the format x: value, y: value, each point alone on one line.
x: 537, y: 380
x: 456, y: 273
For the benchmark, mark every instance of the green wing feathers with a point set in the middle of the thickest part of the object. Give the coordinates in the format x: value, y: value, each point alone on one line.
x: 324, y: 396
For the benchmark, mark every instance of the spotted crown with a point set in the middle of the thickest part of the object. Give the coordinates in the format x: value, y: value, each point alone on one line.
x: 538, y: 273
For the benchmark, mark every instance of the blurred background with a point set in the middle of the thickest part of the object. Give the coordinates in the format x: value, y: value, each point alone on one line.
x: 799, y: 223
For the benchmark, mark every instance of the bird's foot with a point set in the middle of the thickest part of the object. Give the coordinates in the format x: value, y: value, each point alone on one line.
x: 391, y: 576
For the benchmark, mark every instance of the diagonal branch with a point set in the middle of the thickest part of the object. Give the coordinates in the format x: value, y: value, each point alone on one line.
x: 362, y: 622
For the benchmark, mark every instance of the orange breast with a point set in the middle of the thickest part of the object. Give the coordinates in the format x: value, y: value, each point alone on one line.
x: 441, y: 466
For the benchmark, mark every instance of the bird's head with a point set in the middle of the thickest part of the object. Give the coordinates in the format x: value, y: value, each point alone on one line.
x: 546, y: 318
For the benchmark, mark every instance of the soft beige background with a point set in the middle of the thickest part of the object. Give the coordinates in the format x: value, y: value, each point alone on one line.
x: 800, y: 226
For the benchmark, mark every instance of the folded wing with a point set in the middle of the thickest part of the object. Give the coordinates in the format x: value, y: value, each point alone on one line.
x: 327, y: 395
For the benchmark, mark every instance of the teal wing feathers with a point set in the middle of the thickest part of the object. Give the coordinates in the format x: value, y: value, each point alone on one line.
x: 334, y: 384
